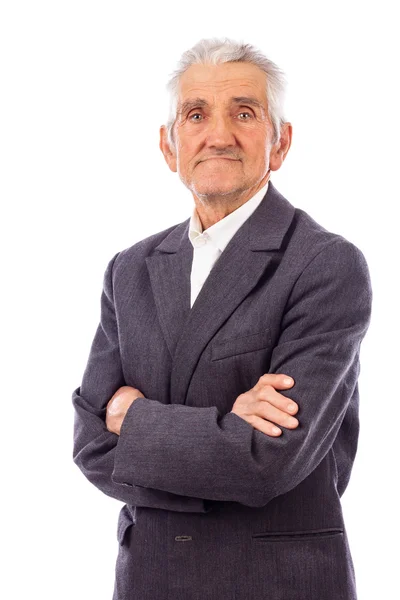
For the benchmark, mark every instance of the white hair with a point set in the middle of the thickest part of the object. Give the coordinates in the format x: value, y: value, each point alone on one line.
x: 222, y: 50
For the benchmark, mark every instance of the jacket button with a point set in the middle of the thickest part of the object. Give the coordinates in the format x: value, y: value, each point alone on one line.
x: 183, y: 538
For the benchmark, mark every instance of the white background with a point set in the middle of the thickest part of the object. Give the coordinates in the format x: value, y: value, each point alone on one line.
x: 82, y: 177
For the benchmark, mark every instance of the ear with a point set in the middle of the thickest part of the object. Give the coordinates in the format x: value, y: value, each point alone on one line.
x: 167, y: 151
x: 281, y: 148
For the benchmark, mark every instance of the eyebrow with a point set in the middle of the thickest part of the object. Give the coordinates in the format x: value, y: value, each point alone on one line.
x: 201, y: 102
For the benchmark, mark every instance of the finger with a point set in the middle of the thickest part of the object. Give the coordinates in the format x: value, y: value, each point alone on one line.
x: 278, y: 381
x: 265, y: 426
x: 265, y: 410
x: 281, y: 402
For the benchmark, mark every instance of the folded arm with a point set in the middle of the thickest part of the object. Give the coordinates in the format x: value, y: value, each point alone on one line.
x: 200, y: 453
x: 94, y: 445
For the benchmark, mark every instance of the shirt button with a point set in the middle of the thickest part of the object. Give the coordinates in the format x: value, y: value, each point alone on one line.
x: 200, y: 241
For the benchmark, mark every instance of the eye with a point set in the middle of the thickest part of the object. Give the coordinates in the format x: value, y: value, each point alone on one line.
x: 245, y: 113
x: 195, y: 115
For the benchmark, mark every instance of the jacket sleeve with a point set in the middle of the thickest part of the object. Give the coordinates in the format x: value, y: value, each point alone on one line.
x: 94, y: 445
x: 201, y: 453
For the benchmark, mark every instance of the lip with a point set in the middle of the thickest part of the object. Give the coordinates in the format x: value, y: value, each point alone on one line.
x: 220, y: 158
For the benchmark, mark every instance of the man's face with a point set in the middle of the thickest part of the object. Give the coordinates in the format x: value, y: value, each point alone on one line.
x: 223, y: 135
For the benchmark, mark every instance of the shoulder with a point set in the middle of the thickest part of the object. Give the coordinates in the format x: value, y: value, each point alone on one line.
x: 326, y: 265
x: 134, y: 256
x: 312, y: 243
x: 313, y: 258
x: 306, y: 237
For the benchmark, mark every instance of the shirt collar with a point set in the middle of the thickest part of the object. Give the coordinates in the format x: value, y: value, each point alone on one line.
x: 221, y: 232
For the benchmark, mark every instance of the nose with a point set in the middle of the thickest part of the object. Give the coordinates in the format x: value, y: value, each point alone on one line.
x: 220, y: 133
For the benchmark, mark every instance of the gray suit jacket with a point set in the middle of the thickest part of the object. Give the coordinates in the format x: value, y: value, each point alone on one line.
x: 214, y: 508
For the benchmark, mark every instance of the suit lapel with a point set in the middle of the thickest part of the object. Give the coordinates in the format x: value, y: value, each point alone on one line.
x: 169, y: 270
x: 252, y: 251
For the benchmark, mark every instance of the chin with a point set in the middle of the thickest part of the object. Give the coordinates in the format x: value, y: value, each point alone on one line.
x: 216, y: 187
x: 214, y: 190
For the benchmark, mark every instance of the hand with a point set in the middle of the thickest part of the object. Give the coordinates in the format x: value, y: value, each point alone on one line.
x: 118, y: 405
x: 262, y: 402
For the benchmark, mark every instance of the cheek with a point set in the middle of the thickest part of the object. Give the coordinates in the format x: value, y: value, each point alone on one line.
x: 255, y: 150
x: 253, y: 138
x: 182, y: 160
x: 188, y: 153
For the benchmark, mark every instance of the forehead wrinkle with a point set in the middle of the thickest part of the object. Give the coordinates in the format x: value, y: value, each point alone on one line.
x: 241, y: 80
x: 192, y: 84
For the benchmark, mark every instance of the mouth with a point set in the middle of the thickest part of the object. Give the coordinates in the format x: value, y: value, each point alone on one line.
x: 220, y: 158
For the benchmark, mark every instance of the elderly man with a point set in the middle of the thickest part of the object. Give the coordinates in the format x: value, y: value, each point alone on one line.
x: 226, y: 493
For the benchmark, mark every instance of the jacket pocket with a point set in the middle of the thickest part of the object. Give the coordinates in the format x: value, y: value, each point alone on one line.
x: 297, y: 536
x: 124, y: 522
x: 298, y: 565
x: 240, y: 344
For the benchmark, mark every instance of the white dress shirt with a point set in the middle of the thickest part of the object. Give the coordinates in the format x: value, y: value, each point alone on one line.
x: 209, y: 245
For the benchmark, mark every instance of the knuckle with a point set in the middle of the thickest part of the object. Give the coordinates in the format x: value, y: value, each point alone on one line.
x: 263, y: 394
x: 266, y: 377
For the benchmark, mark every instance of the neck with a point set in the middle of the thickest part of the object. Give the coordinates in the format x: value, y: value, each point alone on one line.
x: 212, y: 209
